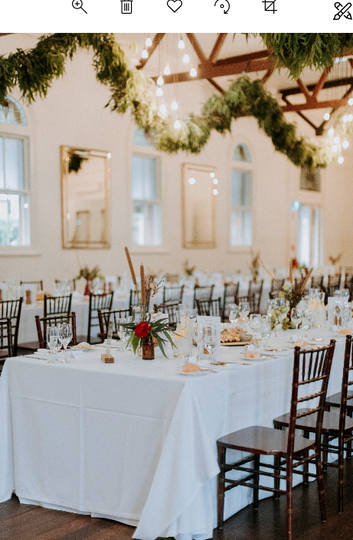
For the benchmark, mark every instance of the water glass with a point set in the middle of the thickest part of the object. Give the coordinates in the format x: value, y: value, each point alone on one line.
x: 346, y: 314
x: 255, y: 323
x: 265, y: 328
x: 53, y: 339
x: 297, y: 316
x: 307, y: 321
x: 244, y: 309
x: 210, y: 340
x: 233, y: 313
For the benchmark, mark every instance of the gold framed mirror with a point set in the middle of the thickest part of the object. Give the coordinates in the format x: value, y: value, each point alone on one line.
x: 85, y: 197
x: 199, y: 191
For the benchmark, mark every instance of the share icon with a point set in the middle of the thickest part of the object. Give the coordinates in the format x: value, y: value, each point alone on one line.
x: 342, y: 10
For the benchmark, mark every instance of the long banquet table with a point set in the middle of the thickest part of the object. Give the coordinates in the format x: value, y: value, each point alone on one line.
x: 134, y: 441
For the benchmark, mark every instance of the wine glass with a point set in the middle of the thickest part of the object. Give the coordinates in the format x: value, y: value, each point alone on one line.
x: 197, y: 332
x: 296, y: 316
x: 210, y: 340
x: 265, y: 328
x: 65, y: 336
x: 233, y: 313
x: 255, y: 323
x: 244, y: 309
x: 307, y: 321
x: 123, y: 333
x: 346, y: 314
x: 271, y: 304
x: 53, y: 339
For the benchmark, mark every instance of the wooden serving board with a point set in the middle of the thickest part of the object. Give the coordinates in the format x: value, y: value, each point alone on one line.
x: 235, y: 343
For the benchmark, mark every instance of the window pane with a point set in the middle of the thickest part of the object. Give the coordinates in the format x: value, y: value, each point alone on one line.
x: 2, y: 179
x: 241, y: 228
x: 14, y: 220
x: 241, y: 188
x: 147, y: 224
x: 12, y: 113
x: 242, y: 153
x: 144, y: 179
x: 304, y: 231
x: 14, y: 164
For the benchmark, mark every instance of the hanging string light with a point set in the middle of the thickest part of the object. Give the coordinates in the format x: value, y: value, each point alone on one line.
x: 159, y: 92
x: 186, y: 58
x: 181, y: 44
x: 144, y: 53
x: 148, y: 42
x: 167, y: 70
x: 193, y: 72
x: 177, y: 124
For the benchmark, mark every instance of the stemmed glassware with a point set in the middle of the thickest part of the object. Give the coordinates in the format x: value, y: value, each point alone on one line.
x: 197, y: 332
x: 296, y: 316
x: 265, y: 328
x: 255, y: 324
x: 53, y: 340
x: 210, y: 340
x: 346, y: 314
x: 123, y: 332
x: 244, y: 309
x: 307, y: 321
x: 65, y: 336
x: 233, y: 313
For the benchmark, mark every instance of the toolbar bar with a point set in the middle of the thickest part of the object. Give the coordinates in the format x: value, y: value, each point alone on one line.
x: 177, y: 15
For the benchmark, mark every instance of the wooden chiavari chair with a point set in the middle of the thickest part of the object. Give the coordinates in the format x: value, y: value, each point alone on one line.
x: 311, y: 369
x: 57, y: 305
x: 97, y: 301
x: 250, y: 298
x: 70, y: 282
x: 231, y: 291
x: 54, y: 320
x: 134, y: 299
x: 173, y: 294
x: 105, y: 316
x: 209, y: 308
x: 255, y: 288
x: 317, y: 282
x: 5, y: 341
x: 172, y: 310
x: 38, y: 283
x: 203, y: 293
x: 12, y: 309
x: 333, y: 284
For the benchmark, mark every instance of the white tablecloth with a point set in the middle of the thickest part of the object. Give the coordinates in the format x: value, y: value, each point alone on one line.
x: 134, y: 441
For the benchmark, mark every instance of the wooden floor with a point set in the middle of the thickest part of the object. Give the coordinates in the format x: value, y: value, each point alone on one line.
x: 24, y: 522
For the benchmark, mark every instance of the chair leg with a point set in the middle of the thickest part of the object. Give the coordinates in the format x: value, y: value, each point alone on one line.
x: 256, y: 481
x: 277, y: 480
x: 220, y: 490
x: 349, y: 444
x: 340, y: 473
x: 306, y: 464
x: 289, y: 489
x: 325, y: 441
x: 320, y: 487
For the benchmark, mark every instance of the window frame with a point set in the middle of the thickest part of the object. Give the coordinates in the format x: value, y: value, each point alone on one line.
x: 149, y: 153
x: 242, y: 166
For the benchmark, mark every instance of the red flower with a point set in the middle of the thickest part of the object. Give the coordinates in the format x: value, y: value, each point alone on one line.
x: 142, y: 329
x: 295, y: 263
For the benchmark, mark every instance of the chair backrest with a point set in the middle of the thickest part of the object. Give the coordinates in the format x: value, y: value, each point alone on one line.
x: 203, y: 293
x: 54, y: 320
x: 311, y: 371
x: 171, y: 309
x: 276, y: 285
x: 70, y: 282
x: 97, y: 301
x: 209, y: 308
x: 173, y: 278
x: 38, y: 283
x: 104, y: 317
x: 134, y: 299
x: 5, y: 337
x: 173, y: 294
x: 255, y: 288
x: 250, y: 298
x: 231, y: 290
x: 317, y: 282
x: 347, y: 382
x: 57, y: 305
x: 12, y: 309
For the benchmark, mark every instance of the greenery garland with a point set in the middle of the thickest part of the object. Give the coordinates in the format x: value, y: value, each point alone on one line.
x: 35, y: 70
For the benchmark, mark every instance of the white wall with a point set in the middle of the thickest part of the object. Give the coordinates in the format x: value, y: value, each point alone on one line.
x: 73, y: 114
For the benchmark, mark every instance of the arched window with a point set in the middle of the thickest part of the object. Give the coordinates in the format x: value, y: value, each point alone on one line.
x: 14, y: 178
x: 241, y: 197
x: 145, y: 193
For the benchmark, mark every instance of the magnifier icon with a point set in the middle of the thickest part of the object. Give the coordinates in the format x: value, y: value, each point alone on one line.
x: 78, y: 4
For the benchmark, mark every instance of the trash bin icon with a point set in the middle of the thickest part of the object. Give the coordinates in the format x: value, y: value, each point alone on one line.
x: 126, y: 6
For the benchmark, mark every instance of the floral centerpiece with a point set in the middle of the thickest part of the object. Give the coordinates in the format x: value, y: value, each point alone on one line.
x: 149, y: 330
x: 188, y: 270
x: 89, y: 276
x: 292, y: 294
x: 254, y: 266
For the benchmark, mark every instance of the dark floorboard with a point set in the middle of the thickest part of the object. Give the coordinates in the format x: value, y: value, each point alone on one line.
x: 24, y: 522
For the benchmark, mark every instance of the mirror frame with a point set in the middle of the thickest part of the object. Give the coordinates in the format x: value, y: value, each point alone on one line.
x: 187, y: 170
x: 64, y: 158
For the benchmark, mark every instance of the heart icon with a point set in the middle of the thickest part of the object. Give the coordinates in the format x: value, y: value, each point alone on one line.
x: 174, y: 5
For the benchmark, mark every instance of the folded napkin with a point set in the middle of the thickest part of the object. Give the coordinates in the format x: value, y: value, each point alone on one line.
x: 76, y: 353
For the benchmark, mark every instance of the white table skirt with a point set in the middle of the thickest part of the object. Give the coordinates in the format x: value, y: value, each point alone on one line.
x: 133, y: 441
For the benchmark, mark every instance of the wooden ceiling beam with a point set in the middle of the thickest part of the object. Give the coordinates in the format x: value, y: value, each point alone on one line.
x: 155, y: 42
x: 320, y: 83
x: 328, y: 84
x: 306, y: 119
x: 210, y: 71
x: 217, y: 47
x: 216, y: 86
x: 197, y: 48
x: 267, y: 75
x: 242, y: 58
x: 315, y: 105
x: 304, y: 90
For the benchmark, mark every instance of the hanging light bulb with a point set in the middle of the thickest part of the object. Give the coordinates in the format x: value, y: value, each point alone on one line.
x: 334, y: 148
x: 345, y: 144
x: 193, y: 72
x: 148, y: 42
x: 160, y: 81
x: 331, y: 131
x: 215, y: 192
x: 144, y: 53
x: 167, y: 70
x: 181, y: 43
x: 163, y: 109
x: 177, y: 124
x: 174, y: 106
x: 336, y: 140
x: 186, y: 58
x: 159, y: 92
x: 340, y: 160
x: 350, y: 101
x: 327, y: 116
x: 215, y: 181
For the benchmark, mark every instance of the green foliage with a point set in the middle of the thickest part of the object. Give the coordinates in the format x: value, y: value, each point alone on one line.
x: 86, y: 273
x: 35, y: 70
x: 159, y: 331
